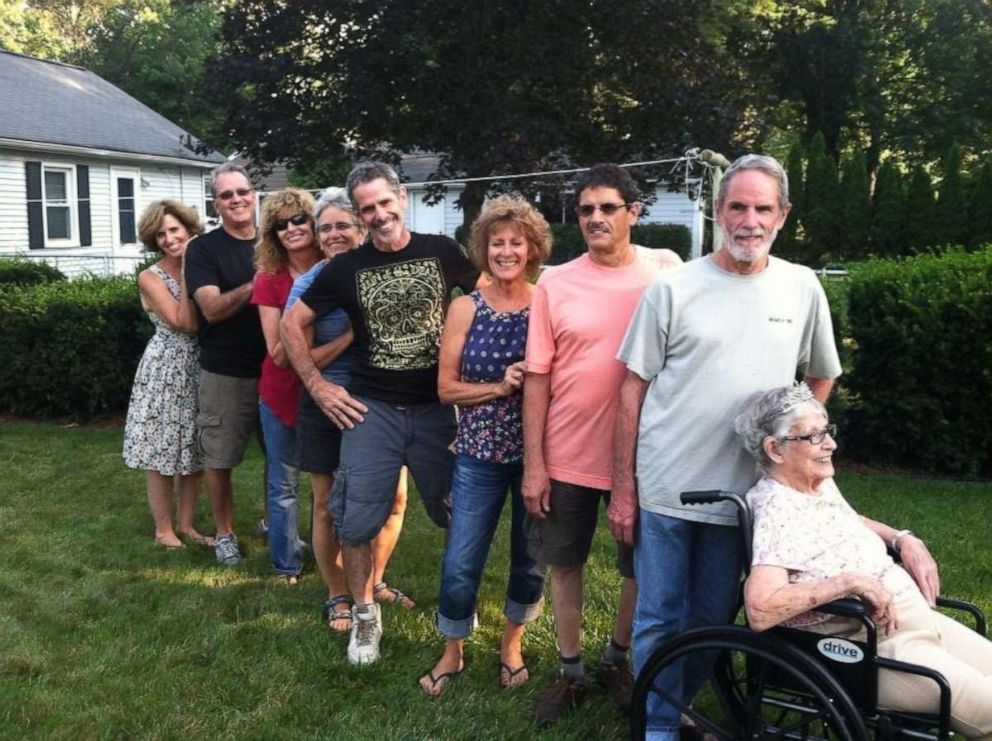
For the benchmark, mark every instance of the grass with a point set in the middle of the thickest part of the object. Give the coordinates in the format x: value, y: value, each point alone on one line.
x: 103, y: 634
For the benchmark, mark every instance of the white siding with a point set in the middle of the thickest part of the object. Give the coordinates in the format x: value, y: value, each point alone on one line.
x: 453, y: 216
x: 13, y: 204
x: 670, y: 208
x: 183, y: 183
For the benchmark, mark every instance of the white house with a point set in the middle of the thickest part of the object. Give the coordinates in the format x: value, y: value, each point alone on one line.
x: 79, y: 160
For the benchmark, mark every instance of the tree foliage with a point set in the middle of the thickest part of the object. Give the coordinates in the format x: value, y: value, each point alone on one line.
x: 501, y: 88
x: 920, y: 210
x: 888, y: 210
x: 855, y: 207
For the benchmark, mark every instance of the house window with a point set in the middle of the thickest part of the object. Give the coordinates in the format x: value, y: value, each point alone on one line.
x: 208, y: 200
x: 58, y: 198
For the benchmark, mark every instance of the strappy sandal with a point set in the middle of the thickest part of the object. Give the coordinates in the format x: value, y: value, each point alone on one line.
x: 331, y: 615
x: 437, y: 683
x: 385, y: 593
x: 508, y: 677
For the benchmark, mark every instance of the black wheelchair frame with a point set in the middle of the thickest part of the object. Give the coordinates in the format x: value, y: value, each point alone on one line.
x: 786, y: 683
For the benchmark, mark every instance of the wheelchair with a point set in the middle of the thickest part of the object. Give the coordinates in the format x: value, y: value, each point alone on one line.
x: 786, y: 683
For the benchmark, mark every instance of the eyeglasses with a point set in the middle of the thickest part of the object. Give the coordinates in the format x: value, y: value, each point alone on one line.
x: 814, y: 438
x: 229, y: 194
x: 588, y: 209
x: 341, y: 226
x: 281, y: 225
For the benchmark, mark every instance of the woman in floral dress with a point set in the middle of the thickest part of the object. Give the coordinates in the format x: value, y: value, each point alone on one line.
x: 160, y: 434
x: 481, y: 369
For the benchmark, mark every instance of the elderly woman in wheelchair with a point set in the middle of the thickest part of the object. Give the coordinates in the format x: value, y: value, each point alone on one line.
x: 810, y: 548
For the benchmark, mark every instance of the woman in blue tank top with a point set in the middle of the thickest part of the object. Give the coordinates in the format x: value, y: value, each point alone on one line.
x: 481, y: 369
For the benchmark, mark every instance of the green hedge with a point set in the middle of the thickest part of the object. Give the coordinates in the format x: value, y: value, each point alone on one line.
x: 70, y: 349
x: 567, y: 242
x: 921, y: 382
x: 21, y: 272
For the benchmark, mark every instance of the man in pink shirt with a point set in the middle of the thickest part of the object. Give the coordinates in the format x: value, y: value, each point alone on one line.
x: 579, y: 315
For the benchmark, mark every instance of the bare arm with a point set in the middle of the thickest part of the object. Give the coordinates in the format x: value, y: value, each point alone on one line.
x: 269, y: 316
x: 622, y: 512
x: 536, y: 484
x: 770, y: 599
x: 217, y: 306
x: 450, y: 387
x: 177, y: 314
x: 915, y: 557
x: 327, y: 353
x: 820, y: 387
x: 339, y: 406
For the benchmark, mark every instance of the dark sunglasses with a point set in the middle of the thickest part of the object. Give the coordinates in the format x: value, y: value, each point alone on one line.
x: 229, y: 194
x: 588, y: 209
x: 281, y: 225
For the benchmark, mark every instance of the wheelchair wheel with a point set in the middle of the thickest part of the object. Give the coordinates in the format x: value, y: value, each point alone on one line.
x: 765, y: 689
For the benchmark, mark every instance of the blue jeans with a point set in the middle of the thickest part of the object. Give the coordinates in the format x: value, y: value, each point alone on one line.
x: 281, y: 485
x: 688, y: 576
x: 478, y: 493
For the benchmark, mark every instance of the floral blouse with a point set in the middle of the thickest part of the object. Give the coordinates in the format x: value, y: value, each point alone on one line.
x: 493, y: 430
x: 816, y: 537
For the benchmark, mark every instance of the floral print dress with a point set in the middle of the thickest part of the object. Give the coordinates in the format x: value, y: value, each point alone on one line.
x: 160, y: 433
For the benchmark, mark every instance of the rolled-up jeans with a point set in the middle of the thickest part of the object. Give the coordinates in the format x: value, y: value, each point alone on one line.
x: 478, y: 493
x: 687, y: 577
x: 281, y: 487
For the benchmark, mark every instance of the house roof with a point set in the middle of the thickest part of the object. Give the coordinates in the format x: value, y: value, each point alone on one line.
x: 59, y: 104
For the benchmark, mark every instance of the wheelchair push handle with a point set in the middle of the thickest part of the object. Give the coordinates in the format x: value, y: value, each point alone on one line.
x: 710, y: 496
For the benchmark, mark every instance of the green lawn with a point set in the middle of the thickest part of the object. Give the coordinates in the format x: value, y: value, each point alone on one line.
x: 102, y: 634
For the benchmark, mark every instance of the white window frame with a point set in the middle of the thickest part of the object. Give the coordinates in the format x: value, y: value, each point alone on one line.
x: 71, y: 202
x: 133, y: 174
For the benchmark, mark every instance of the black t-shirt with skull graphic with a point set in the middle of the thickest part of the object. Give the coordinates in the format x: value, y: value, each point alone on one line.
x: 396, y: 302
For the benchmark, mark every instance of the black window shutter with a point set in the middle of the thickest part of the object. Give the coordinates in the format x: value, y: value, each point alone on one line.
x: 36, y: 210
x: 83, y: 203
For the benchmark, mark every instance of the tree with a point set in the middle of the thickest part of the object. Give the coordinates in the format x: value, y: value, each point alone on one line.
x: 951, y: 217
x: 156, y: 50
x: 920, y: 212
x: 787, y: 243
x: 855, y: 206
x: 506, y: 87
x: 980, y: 208
x: 821, y: 198
x: 886, y: 235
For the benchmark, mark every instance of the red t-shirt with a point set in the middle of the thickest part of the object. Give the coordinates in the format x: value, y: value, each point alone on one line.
x: 278, y: 387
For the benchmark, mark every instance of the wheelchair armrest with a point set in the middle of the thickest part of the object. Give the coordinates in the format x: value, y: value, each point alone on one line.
x: 847, y: 607
x: 973, y: 610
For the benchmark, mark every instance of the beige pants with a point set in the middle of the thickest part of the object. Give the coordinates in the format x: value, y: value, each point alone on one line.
x: 928, y: 638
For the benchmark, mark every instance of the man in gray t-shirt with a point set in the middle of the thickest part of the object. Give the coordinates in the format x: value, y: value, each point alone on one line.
x: 703, y: 339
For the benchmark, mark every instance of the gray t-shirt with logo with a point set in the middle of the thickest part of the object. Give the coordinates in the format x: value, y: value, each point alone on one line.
x: 707, y: 339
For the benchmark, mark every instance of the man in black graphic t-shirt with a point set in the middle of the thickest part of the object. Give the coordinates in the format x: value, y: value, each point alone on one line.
x: 395, y: 290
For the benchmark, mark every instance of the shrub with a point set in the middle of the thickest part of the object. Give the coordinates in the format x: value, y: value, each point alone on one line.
x: 70, y: 349
x: 922, y: 377
x: 22, y: 272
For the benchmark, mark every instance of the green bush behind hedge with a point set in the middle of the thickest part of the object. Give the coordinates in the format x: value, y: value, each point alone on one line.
x: 567, y: 242
x: 921, y: 381
x: 69, y: 349
x: 21, y: 272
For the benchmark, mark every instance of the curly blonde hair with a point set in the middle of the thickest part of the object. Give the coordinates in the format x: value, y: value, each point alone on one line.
x: 510, y: 210
x: 155, y: 212
x: 270, y: 255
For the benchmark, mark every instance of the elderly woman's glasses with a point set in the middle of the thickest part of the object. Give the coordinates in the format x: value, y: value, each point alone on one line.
x: 281, y: 225
x: 814, y: 438
x: 341, y: 226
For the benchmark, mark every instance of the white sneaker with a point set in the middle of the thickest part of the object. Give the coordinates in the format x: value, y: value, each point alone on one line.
x: 366, y: 632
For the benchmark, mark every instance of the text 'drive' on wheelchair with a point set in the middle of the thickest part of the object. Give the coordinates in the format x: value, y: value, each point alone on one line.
x: 786, y: 683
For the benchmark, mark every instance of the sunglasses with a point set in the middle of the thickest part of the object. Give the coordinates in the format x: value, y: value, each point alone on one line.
x: 229, y: 194
x: 588, y: 209
x: 281, y: 225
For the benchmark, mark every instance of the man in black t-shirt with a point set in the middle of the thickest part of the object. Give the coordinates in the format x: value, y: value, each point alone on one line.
x: 219, y: 271
x: 395, y: 290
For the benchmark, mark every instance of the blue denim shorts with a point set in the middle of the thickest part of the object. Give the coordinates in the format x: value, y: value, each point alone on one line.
x: 419, y: 436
